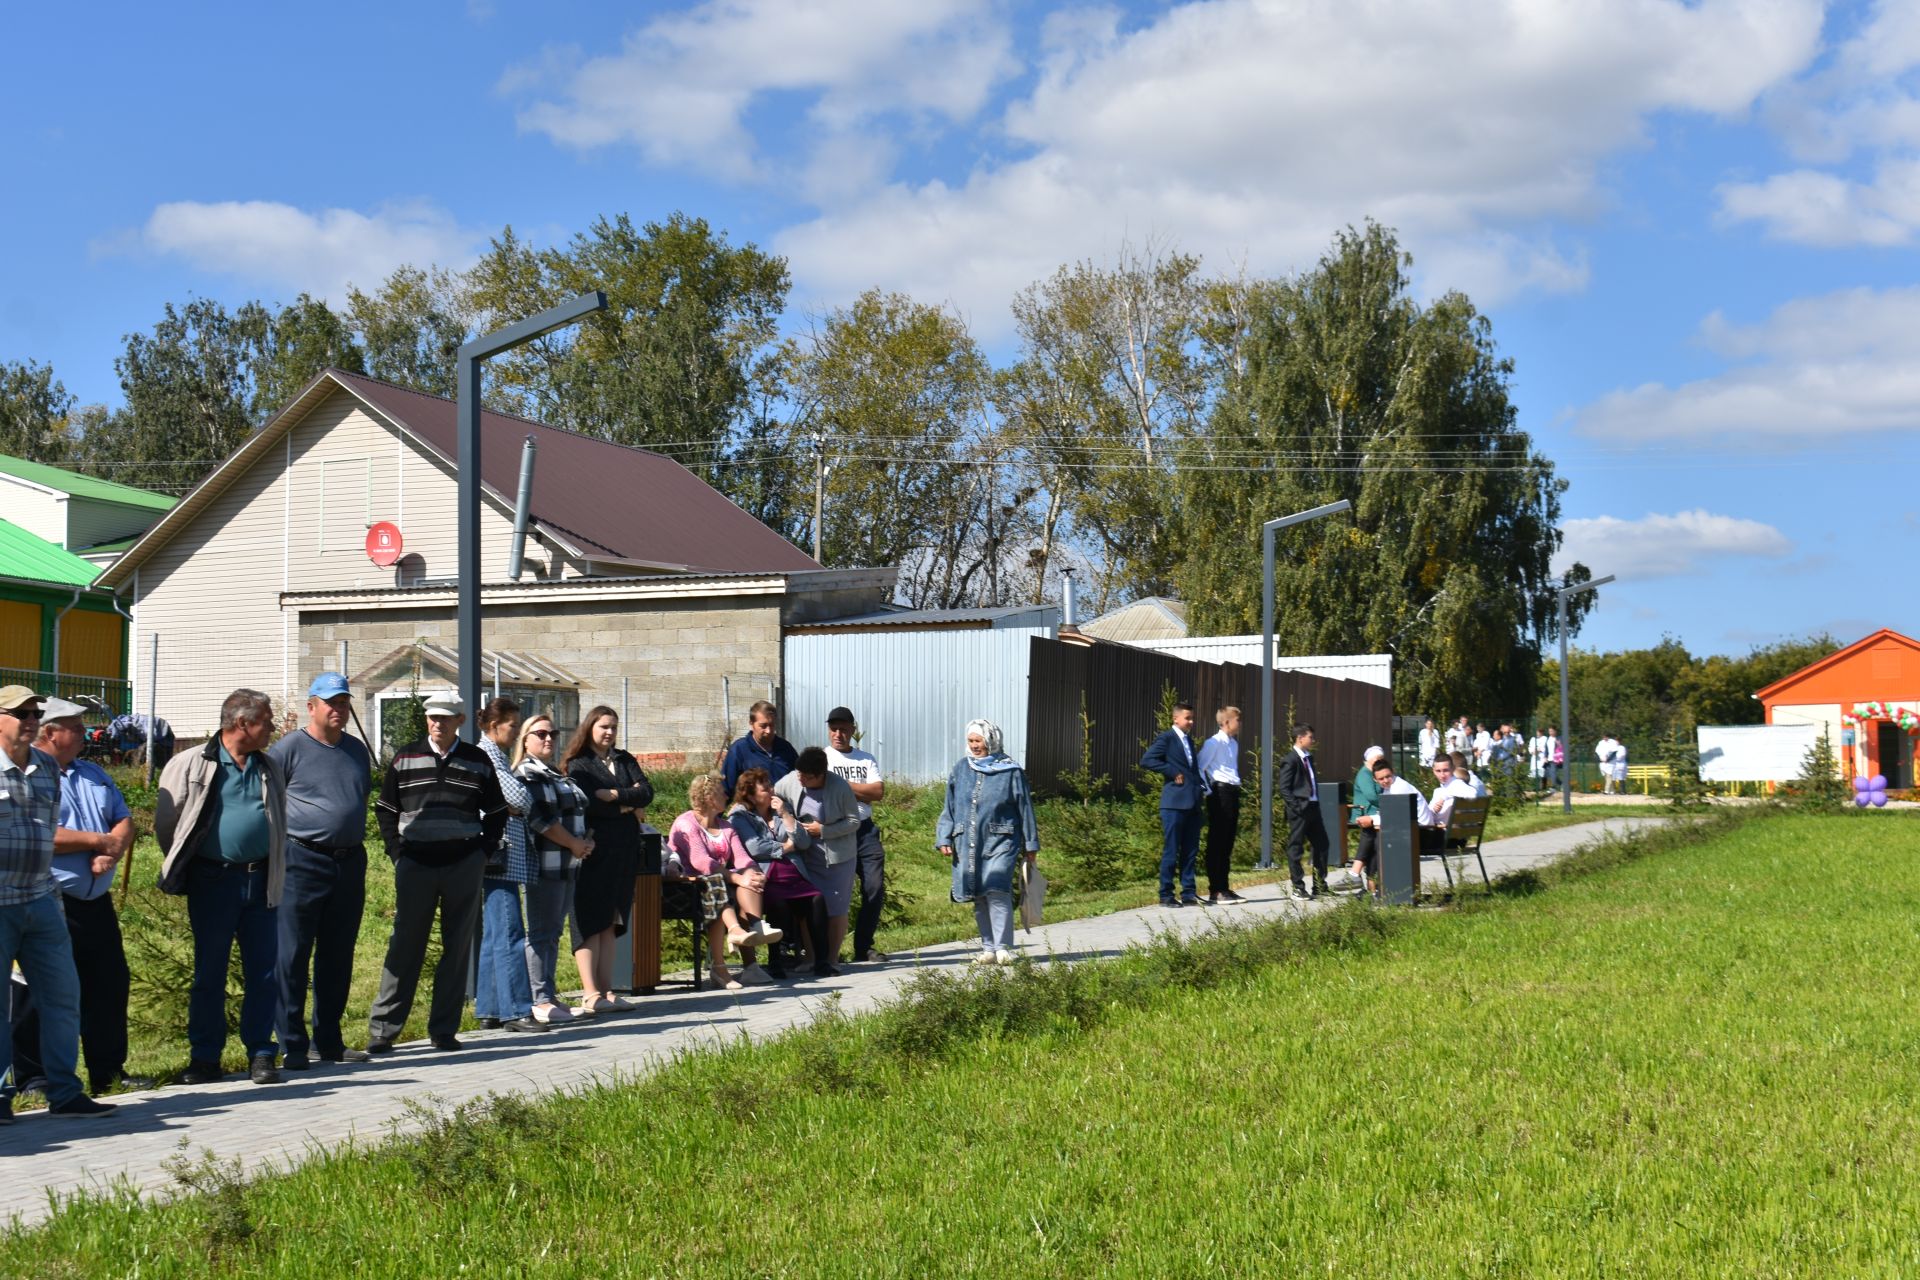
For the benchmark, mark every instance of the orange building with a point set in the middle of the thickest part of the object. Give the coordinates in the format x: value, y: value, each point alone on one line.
x: 1868, y: 698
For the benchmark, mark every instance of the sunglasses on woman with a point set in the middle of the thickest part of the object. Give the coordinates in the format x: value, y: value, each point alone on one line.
x: 540, y: 733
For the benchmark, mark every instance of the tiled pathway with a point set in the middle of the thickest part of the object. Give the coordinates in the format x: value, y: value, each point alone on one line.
x: 330, y: 1105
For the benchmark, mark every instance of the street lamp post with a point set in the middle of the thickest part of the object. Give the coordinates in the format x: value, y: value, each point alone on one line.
x: 1267, y: 531
x: 1566, y: 730
x: 467, y: 417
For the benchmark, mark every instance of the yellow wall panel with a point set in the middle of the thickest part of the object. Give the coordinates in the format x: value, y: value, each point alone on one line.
x: 20, y: 634
x: 90, y: 643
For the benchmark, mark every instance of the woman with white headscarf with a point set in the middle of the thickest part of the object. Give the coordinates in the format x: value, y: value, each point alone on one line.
x: 986, y: 826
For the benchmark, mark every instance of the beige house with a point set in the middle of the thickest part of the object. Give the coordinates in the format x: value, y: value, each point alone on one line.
x: 639, y: 578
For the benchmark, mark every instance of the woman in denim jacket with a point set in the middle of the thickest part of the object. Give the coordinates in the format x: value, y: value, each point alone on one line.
x: 986, y: 826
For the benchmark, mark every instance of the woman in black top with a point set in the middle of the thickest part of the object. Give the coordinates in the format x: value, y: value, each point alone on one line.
x: 617, y: 792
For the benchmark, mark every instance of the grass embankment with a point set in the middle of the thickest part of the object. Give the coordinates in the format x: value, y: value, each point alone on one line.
x: 1695, y: 1064
x: 159, y: 942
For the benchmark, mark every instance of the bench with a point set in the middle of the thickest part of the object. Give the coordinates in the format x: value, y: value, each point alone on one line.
x: 1648, y: 774
x: 680, y: 900
x: 1466, y: 825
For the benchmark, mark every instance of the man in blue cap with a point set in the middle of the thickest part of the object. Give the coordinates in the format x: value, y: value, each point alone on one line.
x: 329, y: 782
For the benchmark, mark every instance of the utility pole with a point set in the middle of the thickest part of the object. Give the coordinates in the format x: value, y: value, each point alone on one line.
x: 993, y: 547
x: 819, y: 485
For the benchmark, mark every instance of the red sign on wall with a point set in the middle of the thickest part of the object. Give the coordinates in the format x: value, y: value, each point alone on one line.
x: 383, y: 543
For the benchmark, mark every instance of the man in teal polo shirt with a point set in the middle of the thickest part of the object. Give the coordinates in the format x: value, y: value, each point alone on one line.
x: 222, y: 819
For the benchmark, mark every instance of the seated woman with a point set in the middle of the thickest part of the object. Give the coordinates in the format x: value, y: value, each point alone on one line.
x: 766, y: 832
x: 707, y: 849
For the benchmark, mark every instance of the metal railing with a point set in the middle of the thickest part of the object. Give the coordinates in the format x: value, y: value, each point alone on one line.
x: 114, y: 696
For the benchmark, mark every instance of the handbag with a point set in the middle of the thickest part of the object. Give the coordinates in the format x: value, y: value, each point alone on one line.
x: 1033, y: 895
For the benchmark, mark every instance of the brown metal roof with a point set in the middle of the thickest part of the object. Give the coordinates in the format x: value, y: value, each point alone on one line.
x: 609, y: 500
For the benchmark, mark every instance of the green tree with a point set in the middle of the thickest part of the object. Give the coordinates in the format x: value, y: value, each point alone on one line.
x: 1341, y: 385
x: 411, y: 328
x: 34, y: 411
x: 287, y: 349
x: 189, y: 398
x: 1819, y: 785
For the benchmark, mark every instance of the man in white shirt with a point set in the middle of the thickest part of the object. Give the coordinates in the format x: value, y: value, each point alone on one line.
x: 1219, y: 764
x: 1604, y: 751
x: 1482, y: 746
x: 862, y: 773
x: 1459, y: 737
x: 1451, y: 787
x: 1537, y: 755
x: 1429, y: 744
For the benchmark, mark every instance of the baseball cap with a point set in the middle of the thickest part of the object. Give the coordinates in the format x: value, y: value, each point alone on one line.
x: 445, y: 702
x: 839, y: 714
x: 17, y: 697
x: 328, y: 684
x: 60, y: 709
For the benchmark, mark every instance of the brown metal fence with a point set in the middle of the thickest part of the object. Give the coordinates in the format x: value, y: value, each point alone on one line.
x: 1121, y: 687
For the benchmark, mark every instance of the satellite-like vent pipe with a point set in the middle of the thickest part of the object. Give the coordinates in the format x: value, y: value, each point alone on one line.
x: 521, y: 505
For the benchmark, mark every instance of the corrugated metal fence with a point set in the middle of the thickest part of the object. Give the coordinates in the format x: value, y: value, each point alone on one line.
x: 913, y: 692
x: 1121, y: 690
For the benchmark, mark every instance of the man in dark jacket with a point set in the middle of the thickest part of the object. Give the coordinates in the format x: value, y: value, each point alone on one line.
x: 1300, y: 792
x: 440, y: 810
x: 1174, y: 757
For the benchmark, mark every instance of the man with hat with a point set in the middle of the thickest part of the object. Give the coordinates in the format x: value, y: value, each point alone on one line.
x: 33, y: 929
x: 440, y: 810
x: 862, y: 773
x: 329, y: 781
x: 95, y: 833
x: 221, y: 819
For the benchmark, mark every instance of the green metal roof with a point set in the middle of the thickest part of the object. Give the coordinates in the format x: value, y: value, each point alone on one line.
x: 84, y: 486
x: 25, y: 555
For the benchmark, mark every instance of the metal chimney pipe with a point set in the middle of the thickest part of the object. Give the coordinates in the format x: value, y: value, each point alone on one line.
x: 521, y: 507
x: 1069, y: 616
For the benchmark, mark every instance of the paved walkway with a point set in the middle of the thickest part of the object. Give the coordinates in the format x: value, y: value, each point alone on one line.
x: 280, y: 1125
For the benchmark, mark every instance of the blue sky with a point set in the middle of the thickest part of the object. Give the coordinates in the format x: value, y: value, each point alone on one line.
x: 1693, y: 225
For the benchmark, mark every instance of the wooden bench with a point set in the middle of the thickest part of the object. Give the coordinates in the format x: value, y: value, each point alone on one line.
x: 1466, y: 825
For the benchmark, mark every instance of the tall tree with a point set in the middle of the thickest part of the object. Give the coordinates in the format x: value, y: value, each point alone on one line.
x: 286, y: 349
x: 1353, y: 390
x: 34, y: 411
x: 892, y: 395
x: 189, y: 396
x: 411, y: 328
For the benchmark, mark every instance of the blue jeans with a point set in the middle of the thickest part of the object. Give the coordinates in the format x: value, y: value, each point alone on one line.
x: 35, y: 934
x: 502, y: 990
x: 549, y: 903
x: 1180, y: 843
x: 228, y: 901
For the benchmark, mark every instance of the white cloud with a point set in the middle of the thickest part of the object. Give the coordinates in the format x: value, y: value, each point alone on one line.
x: 1250, y: 130
x: 1809, y: 206
x: 682, y: 86
x: 1843, y: 363
x: 1665, y: 546
x: 320, y: 252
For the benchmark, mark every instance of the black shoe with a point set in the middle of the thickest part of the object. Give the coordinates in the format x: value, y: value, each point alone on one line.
x: 524, y: 1024
x: 446, y: 1044
x: 1169, y: 902
x: 1211, y: 900
x: 827, y: 971
x: 376, y: 1046
x: 489, y: 1024
x: 202, y: 1073
x: 98, y: 1085
x: 80, y: 1106
x: 296, y: 1060
x: 1191, y: 900
x: 262, y: 1070
x: 1300, y: 894
x: 1230, y: 896
x: 351, y: 1055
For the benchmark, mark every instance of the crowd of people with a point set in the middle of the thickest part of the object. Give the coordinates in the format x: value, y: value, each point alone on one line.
x: 505, y: 841
x: 1502, y: 748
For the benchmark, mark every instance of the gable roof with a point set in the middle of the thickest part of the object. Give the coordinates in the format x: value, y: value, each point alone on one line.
x: 600, y: 501
x: 1835, y: 659
x: 32, y: 558
x: 79, y: 486
x: 1149, y: 618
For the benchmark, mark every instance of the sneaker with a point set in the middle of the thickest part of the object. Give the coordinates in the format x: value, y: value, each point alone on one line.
x: 1211, y: 900
x: 553, y: 1014
x: 986, y: 957
x: 764, y: 934
x: 202, y: 1073
x: 80, y: 1106
x: 1300, y: 894
x: 348, y: 1055
x: 1003, y: 956
x: 1229, y: 897
x: 262, y: 1071
x: 754, y: 976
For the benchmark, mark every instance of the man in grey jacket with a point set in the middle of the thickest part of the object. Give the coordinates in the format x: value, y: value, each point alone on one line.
x: 221, y: 817
x: 825, y: 843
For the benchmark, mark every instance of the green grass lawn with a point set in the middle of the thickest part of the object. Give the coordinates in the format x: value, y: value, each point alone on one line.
x: 160, y: 951
x: 1698, y: 1062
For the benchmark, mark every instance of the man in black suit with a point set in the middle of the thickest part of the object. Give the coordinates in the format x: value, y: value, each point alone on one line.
x: 1300, y: 792
x: 1174, y: 757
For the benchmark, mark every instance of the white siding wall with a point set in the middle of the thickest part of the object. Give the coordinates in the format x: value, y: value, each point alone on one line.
x: 1818, y: 714
x: 913, y: 692
x: 1370, y: 668
x: 40, y: 513
x: 296, y: 521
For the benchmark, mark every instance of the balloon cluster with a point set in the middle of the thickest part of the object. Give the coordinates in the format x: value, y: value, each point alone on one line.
x: 1864, y: 711
x: 1871, y: 791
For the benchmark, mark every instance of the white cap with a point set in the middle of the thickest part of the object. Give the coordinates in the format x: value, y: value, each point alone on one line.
x: 60, y: 709
x: 445, y: 702
x: 1371, y: 754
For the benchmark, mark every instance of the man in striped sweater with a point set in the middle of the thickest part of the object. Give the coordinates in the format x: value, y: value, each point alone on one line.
x: 440, y: 810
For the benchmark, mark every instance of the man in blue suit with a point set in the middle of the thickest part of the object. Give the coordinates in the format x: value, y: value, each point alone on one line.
x: 1182, y: 797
